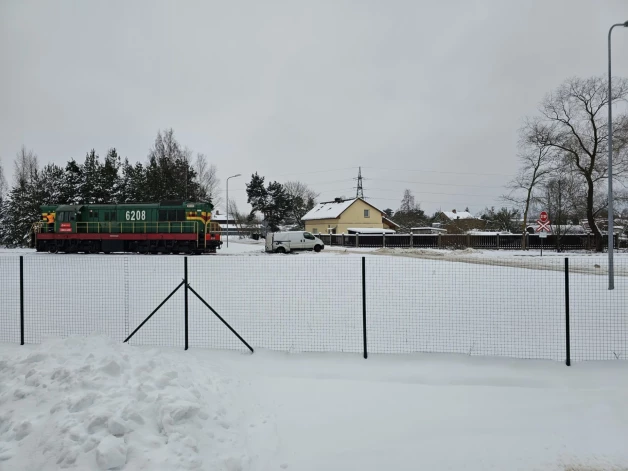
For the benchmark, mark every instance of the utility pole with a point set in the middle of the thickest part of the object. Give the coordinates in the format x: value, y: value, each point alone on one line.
x: 360, y: 189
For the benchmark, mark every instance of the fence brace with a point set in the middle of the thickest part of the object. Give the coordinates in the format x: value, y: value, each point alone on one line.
x: 187, y: 286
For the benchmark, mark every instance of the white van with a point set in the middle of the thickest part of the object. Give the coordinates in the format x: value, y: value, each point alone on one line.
x: 283, y: 242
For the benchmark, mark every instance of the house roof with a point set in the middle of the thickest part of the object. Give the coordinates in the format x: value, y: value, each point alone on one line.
x: 333, y: 210
x: 370, y: 230
x: 390, y: 222
x: 458, y: 215
x: 328, y: 210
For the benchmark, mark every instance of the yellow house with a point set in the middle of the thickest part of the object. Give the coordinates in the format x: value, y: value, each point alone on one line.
x: 347, y: 216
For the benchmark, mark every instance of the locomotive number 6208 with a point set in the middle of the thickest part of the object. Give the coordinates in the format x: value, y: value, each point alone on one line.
x: 136, y: 215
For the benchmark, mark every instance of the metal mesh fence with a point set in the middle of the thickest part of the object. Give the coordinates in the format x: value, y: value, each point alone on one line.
x: 480, y: 306
x: 10, y: 299
x: 73, y: 295
x: 472, y: 308
x: 282, y: 302
x: 599, y: 316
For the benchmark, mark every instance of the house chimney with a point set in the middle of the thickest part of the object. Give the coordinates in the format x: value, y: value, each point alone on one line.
x: 338, y: 200
x: 453, y: 211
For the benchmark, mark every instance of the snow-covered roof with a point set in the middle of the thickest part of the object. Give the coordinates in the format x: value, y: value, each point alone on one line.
x: 370, y: 230
x: 389, y: 221
x: 328, y: 210
x: 432, y: 229
x: 222, y: 217
x: 490, y: 233
x: 459, y: 215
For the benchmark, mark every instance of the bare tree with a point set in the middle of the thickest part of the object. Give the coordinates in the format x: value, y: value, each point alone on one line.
x: 26, y: 166
x: 574, y: 125
x: 535, y: 165
x: 409, y: 214
x: 560, y: 196
x: 207, y: 175
x: 302, y: 199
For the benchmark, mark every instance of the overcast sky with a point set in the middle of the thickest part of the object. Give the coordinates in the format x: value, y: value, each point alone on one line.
x: 412, y: 91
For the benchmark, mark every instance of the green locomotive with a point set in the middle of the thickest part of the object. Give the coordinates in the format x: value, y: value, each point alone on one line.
x: 166, y: 227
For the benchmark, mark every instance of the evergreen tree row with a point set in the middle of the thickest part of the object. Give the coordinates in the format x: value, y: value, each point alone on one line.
x: 168, y: 174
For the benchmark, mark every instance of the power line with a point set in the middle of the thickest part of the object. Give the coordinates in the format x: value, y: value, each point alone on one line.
x: 440, y: 171
x: 317, y: 171
x: 440, y: 184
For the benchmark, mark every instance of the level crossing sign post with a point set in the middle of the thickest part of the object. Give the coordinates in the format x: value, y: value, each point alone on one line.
x: 543, y: 226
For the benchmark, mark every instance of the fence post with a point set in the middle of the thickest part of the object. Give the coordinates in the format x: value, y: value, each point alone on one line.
x: 411, y: 239
x: 498, y: 241
x: 440, y: 241
x: 364, y: 305
x: 567, y: 336
x: 343, y: 239
x: 185, y: 295
x: 357, y: 239
x: 21, y: 300
x: 383, y: 240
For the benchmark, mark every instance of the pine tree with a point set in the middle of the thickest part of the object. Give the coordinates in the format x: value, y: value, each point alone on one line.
x: 257, y: 194
x: 110, y: 182
x: 279, y: 205
x: 273, y: 201
x: 21, y: 206
x: 49, y: 185
x: 18, y: 217
x: 90, y: 183
x: 71, y: 185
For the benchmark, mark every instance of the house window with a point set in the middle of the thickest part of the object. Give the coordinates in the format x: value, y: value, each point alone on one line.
x: 367, y: 213
x: 315, y: 230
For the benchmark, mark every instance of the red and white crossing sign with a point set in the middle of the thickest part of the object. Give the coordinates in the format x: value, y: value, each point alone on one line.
x: 543, y: 223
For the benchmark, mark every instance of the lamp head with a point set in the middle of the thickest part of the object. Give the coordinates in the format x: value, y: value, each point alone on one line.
x: 626, y: 24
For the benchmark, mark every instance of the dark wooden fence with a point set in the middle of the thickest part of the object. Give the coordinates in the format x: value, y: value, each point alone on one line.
x: 463, y: 241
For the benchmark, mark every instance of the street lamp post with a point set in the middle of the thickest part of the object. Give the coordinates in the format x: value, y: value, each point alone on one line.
x: 611, y: 245
x: 232, y: 176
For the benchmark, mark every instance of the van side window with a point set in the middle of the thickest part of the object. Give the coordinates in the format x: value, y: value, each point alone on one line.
x: 307, y: 235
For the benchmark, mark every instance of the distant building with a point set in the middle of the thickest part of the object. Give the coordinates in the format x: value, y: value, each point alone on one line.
x: 226, y: 226
x: 347, y: 216
x: 459, y: 222
x: 428, y: 230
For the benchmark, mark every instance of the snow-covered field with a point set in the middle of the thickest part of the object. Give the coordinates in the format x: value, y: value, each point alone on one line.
x: 90, y: 403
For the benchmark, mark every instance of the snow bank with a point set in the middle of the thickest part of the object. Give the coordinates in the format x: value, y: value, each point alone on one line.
x: 90, y: 403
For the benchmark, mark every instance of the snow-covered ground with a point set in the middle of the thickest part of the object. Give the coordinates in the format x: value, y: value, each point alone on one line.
x: 91, y: 403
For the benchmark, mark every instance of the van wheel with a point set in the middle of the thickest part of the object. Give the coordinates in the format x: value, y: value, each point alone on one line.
x: 317, y: 248
x: 280, y: 250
